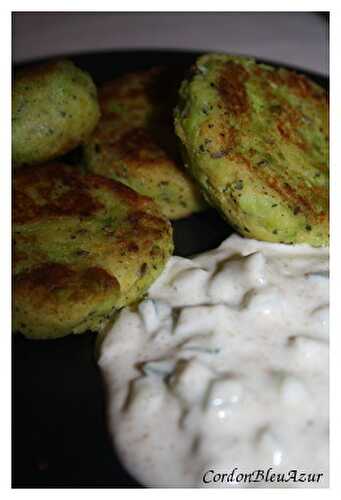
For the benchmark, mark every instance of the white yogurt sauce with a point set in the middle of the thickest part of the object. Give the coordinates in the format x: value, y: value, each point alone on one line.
x: 223, y: 366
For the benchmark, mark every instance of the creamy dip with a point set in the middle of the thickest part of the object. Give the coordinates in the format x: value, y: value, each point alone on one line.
x: 224, y: 366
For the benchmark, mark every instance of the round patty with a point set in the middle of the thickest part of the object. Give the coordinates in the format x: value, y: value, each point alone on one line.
x: 54, y: 108
x: 256, y: 140
x: 135, y: 142
x: 84, y: 246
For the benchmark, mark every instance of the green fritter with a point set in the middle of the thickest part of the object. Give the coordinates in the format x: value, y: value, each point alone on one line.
x: 54, y: 109
x: 84, y: 246
x: 135, y: 142
x: 256, y: 139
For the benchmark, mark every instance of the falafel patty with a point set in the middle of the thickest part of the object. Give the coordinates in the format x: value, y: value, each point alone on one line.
x: 135, y: 142
x: 256, y: 139
x: 54, y: 108
x: 84, y: 246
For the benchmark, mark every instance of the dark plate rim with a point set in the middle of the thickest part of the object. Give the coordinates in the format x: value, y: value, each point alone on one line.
x: 166, y: 50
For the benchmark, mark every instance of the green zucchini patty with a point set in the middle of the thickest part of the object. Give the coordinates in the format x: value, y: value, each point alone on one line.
x: 256, y: 139
x: 135, y: 142
x: 54, y: 109
x: 84, y: 246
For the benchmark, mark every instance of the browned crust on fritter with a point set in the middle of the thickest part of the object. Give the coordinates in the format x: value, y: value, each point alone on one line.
x: 75, y: 198
x: 231, y: 87
x: 135, y: 147
x: 136, y: 90
x: 287, y: 121
x: 294, y: 197
x: 44, y: 282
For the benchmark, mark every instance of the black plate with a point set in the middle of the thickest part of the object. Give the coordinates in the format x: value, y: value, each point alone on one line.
x: 59, y: 431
